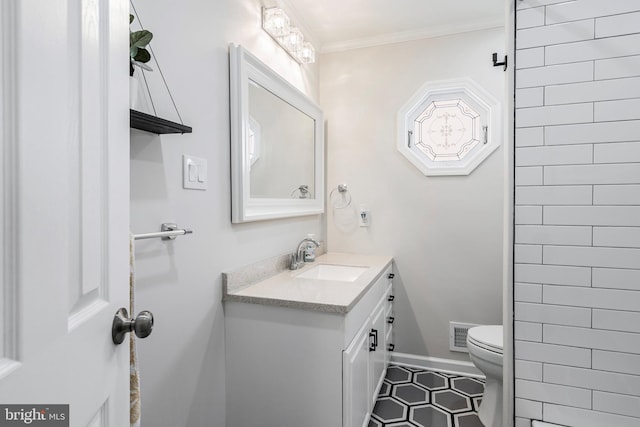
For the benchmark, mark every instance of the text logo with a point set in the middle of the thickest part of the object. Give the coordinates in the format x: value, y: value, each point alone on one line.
x: 34, y: 415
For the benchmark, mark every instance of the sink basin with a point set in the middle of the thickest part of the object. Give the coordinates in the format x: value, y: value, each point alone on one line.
x: 340, y: 273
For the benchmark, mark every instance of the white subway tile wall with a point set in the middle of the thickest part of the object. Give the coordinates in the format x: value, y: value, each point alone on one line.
x: 577, y: 214
x: 529, y: 254
x: 549, y: 353
x: 529, y: 370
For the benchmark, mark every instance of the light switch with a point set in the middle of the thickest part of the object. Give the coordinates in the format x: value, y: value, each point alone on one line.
x: 202, y: 173
x: 194, y: 172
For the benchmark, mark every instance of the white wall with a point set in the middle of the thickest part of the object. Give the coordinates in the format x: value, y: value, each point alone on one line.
x: 577, y: 271
x: 182, y: 362
x: 445, y: 233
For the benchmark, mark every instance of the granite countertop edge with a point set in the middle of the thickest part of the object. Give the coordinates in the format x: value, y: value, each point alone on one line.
x: 304, y: 305
x: 380, y: 263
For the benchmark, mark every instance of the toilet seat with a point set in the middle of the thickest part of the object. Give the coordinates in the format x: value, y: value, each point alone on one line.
x: 488, y: 338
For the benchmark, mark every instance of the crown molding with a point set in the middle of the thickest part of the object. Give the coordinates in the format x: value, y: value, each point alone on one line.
x: 405, y: 36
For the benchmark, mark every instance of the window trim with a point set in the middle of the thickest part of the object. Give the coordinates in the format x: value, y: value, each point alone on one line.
x: 465, y: 89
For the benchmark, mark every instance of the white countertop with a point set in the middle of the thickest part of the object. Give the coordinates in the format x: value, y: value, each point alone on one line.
x: 288, y: 290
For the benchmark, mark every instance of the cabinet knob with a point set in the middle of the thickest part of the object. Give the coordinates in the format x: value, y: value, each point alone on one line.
x: 391, y: 347
x: 391, y: 298
x: 390, y: 320
x: 391, y: 276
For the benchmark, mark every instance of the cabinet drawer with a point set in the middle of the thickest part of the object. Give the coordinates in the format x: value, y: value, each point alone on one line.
x: 388, y: 312
x: 389, y: 345
x: 358, y: 316
x: 389, y: 295
x: 389, y: 292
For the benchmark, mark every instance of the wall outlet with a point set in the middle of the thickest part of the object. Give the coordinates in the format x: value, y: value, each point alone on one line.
x: 364, y: 217
x: 194, y: 173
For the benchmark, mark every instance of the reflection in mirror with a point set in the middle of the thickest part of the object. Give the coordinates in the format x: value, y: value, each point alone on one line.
x: 277, y: 144
x: 253, y: 143
x: 286, y: 166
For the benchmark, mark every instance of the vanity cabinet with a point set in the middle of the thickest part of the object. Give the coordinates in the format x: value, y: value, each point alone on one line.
x: 365, y: 361
x: 290, y: 366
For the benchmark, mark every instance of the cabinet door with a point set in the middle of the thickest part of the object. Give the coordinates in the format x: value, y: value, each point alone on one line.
x: 378, y: 356
x: 356, y: 381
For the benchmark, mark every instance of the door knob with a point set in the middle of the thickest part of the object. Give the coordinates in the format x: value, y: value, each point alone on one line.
x: 142, y: 325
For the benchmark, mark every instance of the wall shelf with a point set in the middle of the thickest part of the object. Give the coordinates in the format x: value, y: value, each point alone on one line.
x: 153, y: 124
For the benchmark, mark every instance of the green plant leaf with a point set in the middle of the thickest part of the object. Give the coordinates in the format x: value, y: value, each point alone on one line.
x: 130, y: 19
x: 133, y: 51
x: 143, y: 55
x: 140, y: 38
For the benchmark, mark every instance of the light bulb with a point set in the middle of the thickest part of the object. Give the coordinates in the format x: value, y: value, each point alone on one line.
x: 306, y: 54
x: 292, y: 41
x: 275, y: 22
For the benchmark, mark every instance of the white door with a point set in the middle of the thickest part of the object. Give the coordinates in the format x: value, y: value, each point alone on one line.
x: 65, y: 215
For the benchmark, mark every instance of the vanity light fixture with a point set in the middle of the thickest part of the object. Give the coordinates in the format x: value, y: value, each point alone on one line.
x: 276, y: 23
x: 292, y: 42
x: 307, y: 53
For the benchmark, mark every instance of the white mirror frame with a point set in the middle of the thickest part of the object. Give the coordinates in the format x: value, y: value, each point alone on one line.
x: 243, y: 67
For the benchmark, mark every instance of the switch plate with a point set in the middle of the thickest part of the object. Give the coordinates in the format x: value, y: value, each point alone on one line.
x: 194, y: 173
x: 364, y: 217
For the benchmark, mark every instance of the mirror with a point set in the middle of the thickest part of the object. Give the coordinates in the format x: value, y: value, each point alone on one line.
x: 277, y: 144
x: 285, y: 164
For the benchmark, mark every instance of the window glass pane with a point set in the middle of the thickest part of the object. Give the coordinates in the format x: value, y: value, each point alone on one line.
x: 447, y: 130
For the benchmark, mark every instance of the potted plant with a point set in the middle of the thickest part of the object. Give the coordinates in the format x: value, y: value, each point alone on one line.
x: 138, y: 57
x: 138, y: 41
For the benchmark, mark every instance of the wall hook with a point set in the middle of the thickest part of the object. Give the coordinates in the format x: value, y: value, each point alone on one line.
x: 498, y: 64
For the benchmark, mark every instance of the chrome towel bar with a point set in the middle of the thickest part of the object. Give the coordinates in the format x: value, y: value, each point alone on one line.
x: 169, y: 232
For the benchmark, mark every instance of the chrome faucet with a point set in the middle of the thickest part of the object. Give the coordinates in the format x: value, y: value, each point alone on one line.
x: 297, y: 258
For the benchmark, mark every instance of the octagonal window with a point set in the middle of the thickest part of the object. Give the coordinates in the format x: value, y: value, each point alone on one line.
x: 449, y: 127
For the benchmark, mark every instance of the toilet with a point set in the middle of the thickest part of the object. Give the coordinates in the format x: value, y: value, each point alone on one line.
x: 485, y: 349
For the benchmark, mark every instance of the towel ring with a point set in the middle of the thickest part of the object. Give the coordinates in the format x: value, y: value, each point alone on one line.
x: 304, y: 192
x: 344, y: 191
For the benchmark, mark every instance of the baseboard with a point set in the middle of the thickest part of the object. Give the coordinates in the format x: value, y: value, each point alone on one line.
x: 448, y: 366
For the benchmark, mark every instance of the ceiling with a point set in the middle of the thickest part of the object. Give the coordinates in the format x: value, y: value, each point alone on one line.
x: 346, y: 24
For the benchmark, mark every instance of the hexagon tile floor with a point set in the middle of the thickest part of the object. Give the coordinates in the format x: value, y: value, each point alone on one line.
x: 417, y: 398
